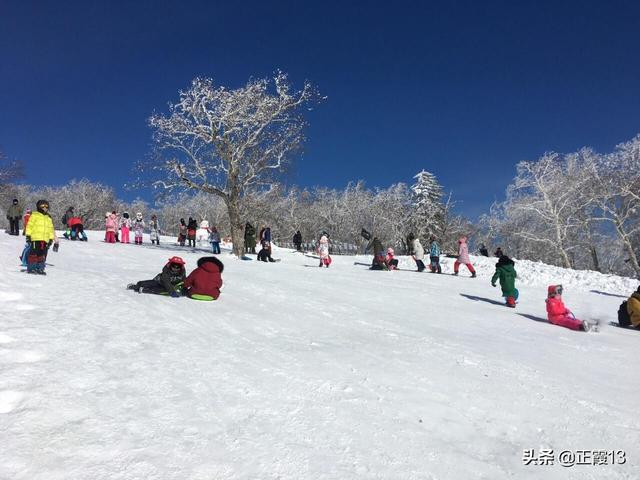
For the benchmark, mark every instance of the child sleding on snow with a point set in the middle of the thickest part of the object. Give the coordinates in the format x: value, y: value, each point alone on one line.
x: 323, y: 251
x: 205, y: 282
x: 390, y: 261
x: 167, y: 282
x: 506, y: 273
x: 560, y: 315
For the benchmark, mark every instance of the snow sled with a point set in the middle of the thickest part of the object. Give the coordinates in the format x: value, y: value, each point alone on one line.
x: 202, y: 298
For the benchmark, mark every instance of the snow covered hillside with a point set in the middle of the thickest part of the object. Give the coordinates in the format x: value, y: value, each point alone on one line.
x: 298, y: 372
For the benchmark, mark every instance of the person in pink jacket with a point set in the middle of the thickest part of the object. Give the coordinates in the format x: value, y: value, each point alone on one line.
x: 111, y: 225
x: 560, y: 315
x: 463, y: 257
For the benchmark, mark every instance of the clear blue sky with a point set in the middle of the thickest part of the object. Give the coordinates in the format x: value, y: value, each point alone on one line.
x: 463, y: 89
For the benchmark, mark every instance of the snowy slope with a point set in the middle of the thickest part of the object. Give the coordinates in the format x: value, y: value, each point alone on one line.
x: 304, y: 373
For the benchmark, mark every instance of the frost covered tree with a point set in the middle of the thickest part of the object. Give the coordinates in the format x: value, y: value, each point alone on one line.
x: 428, y: 210
x: 228, y: 142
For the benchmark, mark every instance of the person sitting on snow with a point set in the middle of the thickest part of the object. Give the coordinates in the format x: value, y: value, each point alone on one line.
x: 560, y: 315
x: 633, y: 309
x: 506, y: 273
x: 390, y: 261
x: 167, y: 282
x: 205, y: 282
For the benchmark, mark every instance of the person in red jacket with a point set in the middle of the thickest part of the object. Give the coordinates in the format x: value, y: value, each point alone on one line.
x: 560, y: 315
x: 205, y: 282
x: 25, y: 220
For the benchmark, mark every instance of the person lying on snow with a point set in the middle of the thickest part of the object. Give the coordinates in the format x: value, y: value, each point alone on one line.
x: 167, y: 282
x: 506, y: 273
x: 560, y: 315
x: 205, y: 282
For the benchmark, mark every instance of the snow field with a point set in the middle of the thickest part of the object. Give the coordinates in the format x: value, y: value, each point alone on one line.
x: 301, y: 372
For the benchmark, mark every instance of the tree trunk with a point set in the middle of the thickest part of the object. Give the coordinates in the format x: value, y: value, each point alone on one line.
x: 594, y: 258
x: 237, y: 235
x: 633, y: 258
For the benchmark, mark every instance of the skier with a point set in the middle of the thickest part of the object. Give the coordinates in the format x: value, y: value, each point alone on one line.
x: 125, y: 227
x: 154, y: 230
x: 249, y: 238
x: 507, y: 275
x: 167, y: 282
x: 297, y: 241
x: 14, y: 214
x: 323, y: 251
x: 40, y: 235
x: 138, y: 228
x: 463, y: 257
x: 214, y: 240
x: 182, y: 232
x: 390, y: 261
x: 560, y: 315
x: 205, y: 282
x: 418, y: 254
x: 192, y: 227
x: 434, y: 256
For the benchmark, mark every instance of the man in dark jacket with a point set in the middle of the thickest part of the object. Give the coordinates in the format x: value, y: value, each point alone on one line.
x: 205, y: 282
x: 378, y: 254
x: 297, y: 241
x: 14, y: 214
x: 167, y: 282
x: 249, y: 238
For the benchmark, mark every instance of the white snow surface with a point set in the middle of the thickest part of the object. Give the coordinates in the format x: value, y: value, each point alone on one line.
x: 298, y: 372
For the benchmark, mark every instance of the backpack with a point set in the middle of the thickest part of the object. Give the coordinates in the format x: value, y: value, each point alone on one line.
x: 623, y: 315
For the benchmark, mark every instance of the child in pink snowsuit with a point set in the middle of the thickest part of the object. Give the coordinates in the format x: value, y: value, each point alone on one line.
x: 323, y: 252
x: 390, y: 260
x: 557, y: 313
x: 111, y: 225
x: 463, y: 257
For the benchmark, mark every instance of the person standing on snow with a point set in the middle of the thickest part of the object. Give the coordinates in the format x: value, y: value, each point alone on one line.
x: 434, y: 256
x: 560, y: 315
x: 154, y: 230
x: 418, y: 254
x: 506, y: 273
x: 463, y: 257
x: 14, y: 214
x: 111, y: 225
x: 192, y: 228
x: 375, y: 246
x: 125, y: 227
x: 297, y: 241
x: 249, y: 238
x: 182, y: 232
x: 214, y: 240
x: 323, y: 252
x: 40, y: 235
x: 25, y: 220
x: 138, y: 228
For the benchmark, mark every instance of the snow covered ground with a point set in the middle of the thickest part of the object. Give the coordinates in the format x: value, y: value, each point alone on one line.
x: 298, y: 372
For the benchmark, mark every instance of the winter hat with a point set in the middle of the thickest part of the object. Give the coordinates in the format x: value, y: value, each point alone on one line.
x: 390, y: 251
x: 15, y: 201
x: 553, y: 290
x: 138, y: 215
x: 42, y: 204
x: 176, y: 260
x: 108, y: 214
x: 125, y: 214
x: 462, y: 240
x: 28, y: 210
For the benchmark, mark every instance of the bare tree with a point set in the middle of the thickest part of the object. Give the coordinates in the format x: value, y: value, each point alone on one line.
x: 228, y: 142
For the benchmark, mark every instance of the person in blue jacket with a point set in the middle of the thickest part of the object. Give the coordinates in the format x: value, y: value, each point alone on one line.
x: 434, y: 256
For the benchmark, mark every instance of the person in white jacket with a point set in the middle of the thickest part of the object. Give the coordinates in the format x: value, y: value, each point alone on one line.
x: 418, y: 254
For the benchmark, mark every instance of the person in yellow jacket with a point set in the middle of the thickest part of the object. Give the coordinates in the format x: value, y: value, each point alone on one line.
x: 40, y: 235
x: 633, y: 308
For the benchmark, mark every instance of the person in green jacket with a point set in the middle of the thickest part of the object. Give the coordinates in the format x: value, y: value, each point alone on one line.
x: 249, y: 238
x: 506, y: 273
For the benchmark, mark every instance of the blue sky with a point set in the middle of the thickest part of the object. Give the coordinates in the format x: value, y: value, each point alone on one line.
x: 462, y: 89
